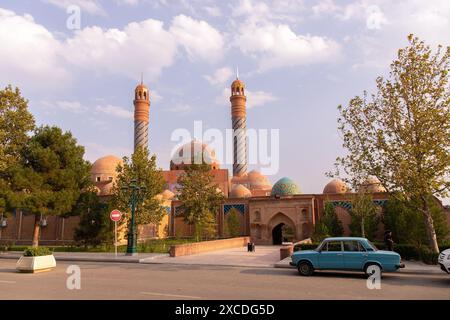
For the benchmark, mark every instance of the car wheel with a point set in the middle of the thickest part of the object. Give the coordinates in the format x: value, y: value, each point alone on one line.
x: 305, y: 268
x: 371, y: 269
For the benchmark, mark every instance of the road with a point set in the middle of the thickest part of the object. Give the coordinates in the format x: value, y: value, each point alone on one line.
x: 147, y: 281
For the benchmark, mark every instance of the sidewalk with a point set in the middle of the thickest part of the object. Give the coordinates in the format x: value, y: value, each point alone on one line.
x: 87, y: 256
x: 411, y: 267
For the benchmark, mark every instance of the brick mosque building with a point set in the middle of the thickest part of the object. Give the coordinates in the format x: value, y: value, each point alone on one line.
x: 265, y: 210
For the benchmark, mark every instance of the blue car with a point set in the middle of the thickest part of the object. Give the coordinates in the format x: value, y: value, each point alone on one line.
x: 346, y: 253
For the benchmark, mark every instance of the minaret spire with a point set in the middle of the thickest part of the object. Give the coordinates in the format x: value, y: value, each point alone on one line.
x: 237, y: 73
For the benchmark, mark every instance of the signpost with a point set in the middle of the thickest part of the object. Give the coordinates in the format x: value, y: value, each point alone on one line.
x: 115, y: 216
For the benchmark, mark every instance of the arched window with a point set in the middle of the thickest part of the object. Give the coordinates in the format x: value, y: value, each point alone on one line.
x: 257, y: 216
x: 304, y: 214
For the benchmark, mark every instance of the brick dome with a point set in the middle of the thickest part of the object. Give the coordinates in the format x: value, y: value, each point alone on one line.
x: 372, y: 185
x: 335, y: 186
x: 239, y: 191
x: 194, y: 152
x: 103, y: 173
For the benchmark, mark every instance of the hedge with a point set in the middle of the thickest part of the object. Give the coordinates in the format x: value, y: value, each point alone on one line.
x: 406, y: 251
x: 37, y: 252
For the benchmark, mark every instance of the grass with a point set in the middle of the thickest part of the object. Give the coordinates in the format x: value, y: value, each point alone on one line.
x: 148, y: 246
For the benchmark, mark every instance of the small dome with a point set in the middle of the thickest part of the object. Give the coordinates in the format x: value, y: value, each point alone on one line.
x: 239, y: 191
x: 105, y: 165
x: 237, y: 88
x: 335, y: 186
x: 258, y: 181
x: 372, y: 185
x: 284, y: 187
x: 194, y: 152
x: 167, y: 195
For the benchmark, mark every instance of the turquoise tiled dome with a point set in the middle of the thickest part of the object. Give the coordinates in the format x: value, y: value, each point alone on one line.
x: 284, y: 187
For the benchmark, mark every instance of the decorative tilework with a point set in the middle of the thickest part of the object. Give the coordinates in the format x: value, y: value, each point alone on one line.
x: 238, y: 207
x: 347, y: 205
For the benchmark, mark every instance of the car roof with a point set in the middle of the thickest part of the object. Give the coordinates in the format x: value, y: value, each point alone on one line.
x: 345, y: 238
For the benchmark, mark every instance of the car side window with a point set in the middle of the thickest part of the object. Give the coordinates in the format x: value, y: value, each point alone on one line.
x: 351, y: 246
x: 334, y: 246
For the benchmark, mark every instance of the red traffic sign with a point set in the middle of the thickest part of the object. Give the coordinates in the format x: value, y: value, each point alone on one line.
x: 115, y: 215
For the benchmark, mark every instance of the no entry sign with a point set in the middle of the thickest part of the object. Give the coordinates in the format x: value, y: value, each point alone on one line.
x: 115, y: 215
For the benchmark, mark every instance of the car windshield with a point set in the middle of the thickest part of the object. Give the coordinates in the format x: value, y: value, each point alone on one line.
x: 372, y: 246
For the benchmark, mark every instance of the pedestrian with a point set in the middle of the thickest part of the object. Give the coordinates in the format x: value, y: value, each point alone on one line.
x: 388, y: 241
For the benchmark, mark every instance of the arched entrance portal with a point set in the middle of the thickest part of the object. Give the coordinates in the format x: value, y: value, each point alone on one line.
x: 282, y: 227
x: 277, y: 234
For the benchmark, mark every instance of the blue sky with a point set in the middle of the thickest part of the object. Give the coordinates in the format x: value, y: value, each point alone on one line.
x: 299, y: 59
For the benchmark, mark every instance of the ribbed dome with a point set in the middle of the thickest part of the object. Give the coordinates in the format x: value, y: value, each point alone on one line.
x: 335, y: 186
x: 372, y: 185
x: 285, y: 186
x: 239, y: 191
x: 105, y: 165
x: 194, y: 152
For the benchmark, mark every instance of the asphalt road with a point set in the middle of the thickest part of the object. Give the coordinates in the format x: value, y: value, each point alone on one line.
x: 146, y: 281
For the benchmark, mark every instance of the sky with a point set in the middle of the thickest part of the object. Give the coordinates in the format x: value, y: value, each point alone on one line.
x: 299, y: 59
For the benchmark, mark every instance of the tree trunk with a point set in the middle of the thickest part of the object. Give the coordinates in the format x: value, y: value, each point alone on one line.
x: 429, y: 226
x: 363, y: 234
x: 37, y: 219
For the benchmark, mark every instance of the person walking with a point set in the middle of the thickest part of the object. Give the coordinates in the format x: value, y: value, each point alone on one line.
x: 388, y: 241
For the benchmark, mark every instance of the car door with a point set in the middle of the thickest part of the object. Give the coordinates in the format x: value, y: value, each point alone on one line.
x: 331, y: 255
x: 355, y: 255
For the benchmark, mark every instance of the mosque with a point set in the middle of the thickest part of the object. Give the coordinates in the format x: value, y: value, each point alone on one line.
x: 268, y: 213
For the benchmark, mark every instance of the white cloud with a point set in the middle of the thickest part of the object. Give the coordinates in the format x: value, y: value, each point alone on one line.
x: 89, y: 6
x: 71, y: 106
x: 213, y: 11
x: 199, y: 39
x: 276, y: 45
x: 115, y: 111
x: 254, y: 98
x: 180, y: 109
x: 29, y: 54
x: 220, y: 76
x: 140, y: 47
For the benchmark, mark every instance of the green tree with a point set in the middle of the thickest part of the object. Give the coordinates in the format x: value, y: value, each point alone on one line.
x: 401, y: 134
x: 364, y: 214
x: 233, y: 225
x: 407, y: 224
x: 50, y: 176
x: 95, y: 226
x: 330, y: 219
x: 200, y: 196
x: 143, y: 169
x: 320, y: 232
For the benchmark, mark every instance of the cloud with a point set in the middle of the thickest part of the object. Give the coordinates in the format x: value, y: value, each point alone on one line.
x: 254, y: 98
x: 213, y: 11
x: 198, y: 38
x: 220, y: 76
x: 90, y: 6
x: 115, y: 111
x: 95, y: 151
x: 127, y: 2
x: 276, y: 45
x: 29, y: 54
x: 180, y: 109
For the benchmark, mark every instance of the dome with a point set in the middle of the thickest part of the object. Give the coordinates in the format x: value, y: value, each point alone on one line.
x: 194, y: 152
x: 239, y: 191
x: 372, y: 185
x: 105, y: 165
x: 335, y: 186
x: 284, y: 187
x: 258, y: 181
x: 167, y: 195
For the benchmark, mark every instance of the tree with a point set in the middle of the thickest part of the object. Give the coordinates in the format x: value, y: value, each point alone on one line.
x: 233, y: 225
x: 320, y: 232
x: 200, y: 196
x: 407, y: 224
x: 401, y: 134
x: 364, y: 213
x: 141, y: 168
x: 50, y: 176
x: 15, y: 123
x: 95, y: 225
x: 330, y: 219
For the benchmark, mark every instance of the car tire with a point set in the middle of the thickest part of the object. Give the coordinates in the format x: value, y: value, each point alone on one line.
x: 305, y: 269
x: 373, y: 265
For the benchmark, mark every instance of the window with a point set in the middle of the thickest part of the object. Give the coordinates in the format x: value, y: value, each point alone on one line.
x: 97, y: 179
x: 333, y: 246
x: 353, y: 246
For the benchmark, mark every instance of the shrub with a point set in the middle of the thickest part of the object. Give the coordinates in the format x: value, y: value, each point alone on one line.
x: 305, y: 246
x: 37, y: 252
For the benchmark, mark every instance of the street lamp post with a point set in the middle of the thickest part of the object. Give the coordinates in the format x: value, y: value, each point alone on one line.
x: 132, y: 233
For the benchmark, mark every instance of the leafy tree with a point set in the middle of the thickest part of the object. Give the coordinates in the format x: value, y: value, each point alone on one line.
x: 407, y: 224
x: 330, y: 219
x: 200, y: 196
x: 95, y: 225
x: 320, y: 232
x: 233, y: 225
x: 50, y: 176
x: 141, y: 168
x: 401, y: 134
x: 364, y: 214
x: 15, y: 123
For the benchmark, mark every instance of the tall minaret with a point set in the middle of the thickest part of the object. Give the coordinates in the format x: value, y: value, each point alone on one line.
x: 141, y: 111
x: 238, y: 118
